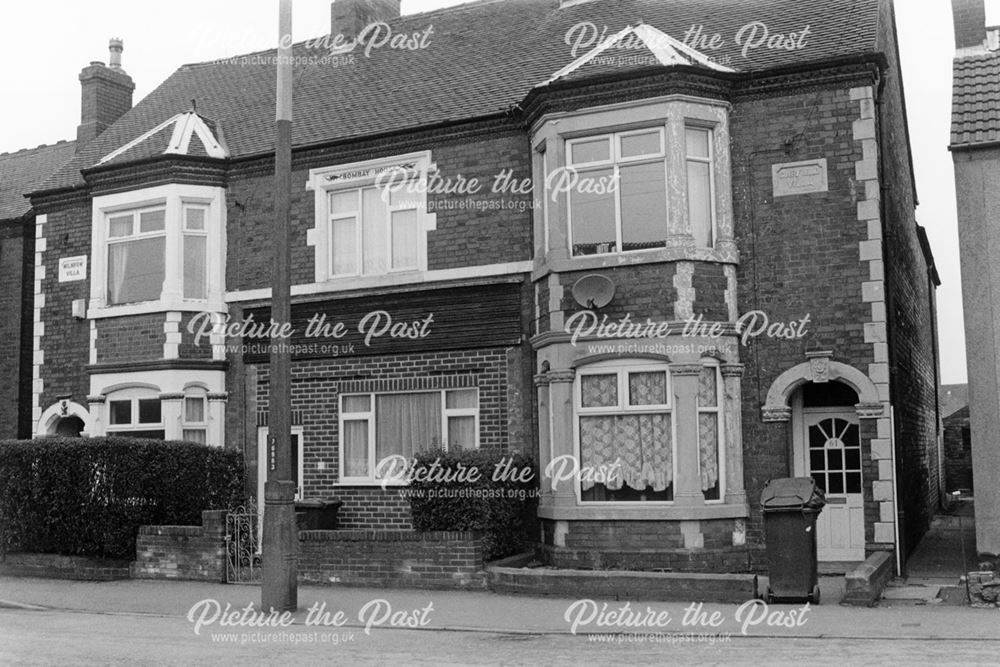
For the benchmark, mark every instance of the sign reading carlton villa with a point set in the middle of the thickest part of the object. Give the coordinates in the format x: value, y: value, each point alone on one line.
x: 799, y: 178
x: 72, y: 268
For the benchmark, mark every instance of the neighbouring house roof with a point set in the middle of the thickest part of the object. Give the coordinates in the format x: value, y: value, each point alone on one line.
x: 23, y: 171
x: 954, y: 397
x: 975, y: 104
x: 480, y: 60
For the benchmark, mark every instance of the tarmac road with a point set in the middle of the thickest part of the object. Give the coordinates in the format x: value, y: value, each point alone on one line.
x: 59, y: 637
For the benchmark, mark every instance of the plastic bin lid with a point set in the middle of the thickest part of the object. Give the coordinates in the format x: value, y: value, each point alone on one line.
x: 791, y: 493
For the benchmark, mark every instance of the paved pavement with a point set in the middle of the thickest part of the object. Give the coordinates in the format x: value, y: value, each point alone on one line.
x: 484, y: 611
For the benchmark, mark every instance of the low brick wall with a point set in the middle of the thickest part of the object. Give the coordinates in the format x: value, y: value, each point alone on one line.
x: 864, y: 584
x: 435, y: 559
x: 622, y: 585
x: 56, y: 566
x: 183, y: 552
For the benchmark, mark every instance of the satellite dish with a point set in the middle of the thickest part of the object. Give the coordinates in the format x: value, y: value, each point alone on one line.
x: 593, y: 291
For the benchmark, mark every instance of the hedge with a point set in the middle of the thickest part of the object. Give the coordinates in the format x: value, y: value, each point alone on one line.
x: 503, y: 509
x: 88, y: 496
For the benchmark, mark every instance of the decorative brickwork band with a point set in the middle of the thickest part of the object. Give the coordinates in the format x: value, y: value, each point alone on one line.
x: 776, y: 414
x: 541, y: 379
x: 870, y: 410
x: 218, y: 395
x: 408, y: 384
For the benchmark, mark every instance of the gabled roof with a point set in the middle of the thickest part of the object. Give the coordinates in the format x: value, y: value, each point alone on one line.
x: 480, y: 59
x: 975, y: 101
x: 25, y: 170
x: 184, y: 134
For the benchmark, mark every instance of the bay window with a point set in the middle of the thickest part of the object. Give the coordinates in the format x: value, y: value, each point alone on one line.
x: 194, y: 419
x: 158, y: 249
x: 700, y: 191
x: 374, y: 426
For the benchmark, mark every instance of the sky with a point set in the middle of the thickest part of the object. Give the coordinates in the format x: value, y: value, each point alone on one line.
x: 44, y: 45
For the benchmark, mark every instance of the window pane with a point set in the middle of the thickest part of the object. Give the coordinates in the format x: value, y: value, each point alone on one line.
x: 817, y: 460
x: 698, y: 142
x: 644, y: 206
x: 407, y: 423
x: 149, y: 411
x: 708, y: 396
x: 461, y: 398
x: 708, y: 454
x: 591, y: 150
x: 136, y: 270
x: 647, y: 388
x: 853, y: 482
x: 344, y: 202
x: 461, y: 432
x: 834, y: 459
x: 647, y: 143
x: 599, y: 391
x: 373, y: 243
x: 836, y: 483
x: 406, y: 196
x: 357, y: 403
x: 593, y: 214
x: 355, y: 448
x: 194, y: 435
x: 404, y: 239
x: 634, y: 450
x: 120, y: 412
x: 345, y: 247
x: 194, y: 219
x: 195, y: 284
x: 700, y: 202
x: 152, y: 221
x: 151, y: 435
x: 120, y: 226
x: 852, y: 459
x: 194, y: 409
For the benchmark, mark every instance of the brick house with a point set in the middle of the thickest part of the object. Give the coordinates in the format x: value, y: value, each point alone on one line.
x: 654, y: 181
x: 975, y: 132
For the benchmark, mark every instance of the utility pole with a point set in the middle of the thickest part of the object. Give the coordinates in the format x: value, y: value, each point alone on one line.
x: 279, y: 589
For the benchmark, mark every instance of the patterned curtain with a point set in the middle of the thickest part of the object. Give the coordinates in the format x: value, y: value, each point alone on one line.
x: 640, y: 444
x: 708, y: 428
x: 599, y: 391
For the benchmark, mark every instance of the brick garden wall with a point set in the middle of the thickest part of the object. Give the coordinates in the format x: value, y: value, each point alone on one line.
x: 182, y: 552
x: 392, y: 558
x: 957, y: 451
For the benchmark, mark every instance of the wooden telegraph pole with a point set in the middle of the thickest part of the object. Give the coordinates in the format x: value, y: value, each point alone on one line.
x: 279, y: 590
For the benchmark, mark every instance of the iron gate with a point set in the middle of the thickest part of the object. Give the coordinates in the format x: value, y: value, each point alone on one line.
x: 243, y: 544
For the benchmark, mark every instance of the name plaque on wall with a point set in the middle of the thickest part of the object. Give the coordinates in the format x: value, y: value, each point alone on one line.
x: 799, y: 178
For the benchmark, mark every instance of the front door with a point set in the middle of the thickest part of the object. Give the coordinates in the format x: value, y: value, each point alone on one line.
x: 829, y: 451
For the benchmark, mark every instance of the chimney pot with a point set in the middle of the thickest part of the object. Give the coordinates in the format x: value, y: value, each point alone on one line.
x: 115, y: 47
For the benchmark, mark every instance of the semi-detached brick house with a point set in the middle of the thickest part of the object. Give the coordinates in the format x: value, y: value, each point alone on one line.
x: 760, y: 167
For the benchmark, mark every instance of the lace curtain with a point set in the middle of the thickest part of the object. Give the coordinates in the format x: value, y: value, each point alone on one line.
x: 708, y: 428
x: 640, y: 443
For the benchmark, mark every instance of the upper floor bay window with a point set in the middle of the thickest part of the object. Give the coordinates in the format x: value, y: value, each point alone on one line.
x: 371, y: 217
x: 376, y: 426
x: 650, y: 179
x: 158, y: 249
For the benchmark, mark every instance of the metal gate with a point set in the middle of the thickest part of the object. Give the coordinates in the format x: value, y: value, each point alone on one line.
x: 243, y: 544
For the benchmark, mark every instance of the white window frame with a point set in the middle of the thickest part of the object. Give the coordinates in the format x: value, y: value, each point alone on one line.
x: 188, y: 425
x: 622, y: 369
x: 710, y: 161
x: 719, y: 410
x: 370, y: 417
x: 262, y: 465
x: 615, y: 161
x: 173, y: 198
x: 358, y: 176
x: 197, y: 233
x: 134, y: 395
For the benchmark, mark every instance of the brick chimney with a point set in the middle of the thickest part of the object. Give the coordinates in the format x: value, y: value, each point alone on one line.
x: 970, y: 23
x: 106, y: 94
x: 349, y: 17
